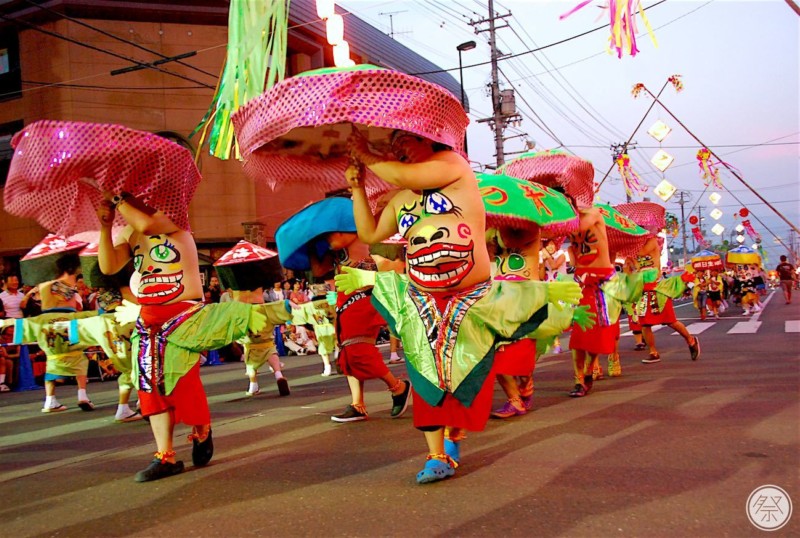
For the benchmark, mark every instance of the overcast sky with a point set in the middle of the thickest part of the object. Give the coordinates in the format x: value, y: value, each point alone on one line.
x: 739, y: 65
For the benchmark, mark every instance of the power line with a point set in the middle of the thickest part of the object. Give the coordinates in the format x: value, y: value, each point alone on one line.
x: 108, y: 34
x: 98, y: 49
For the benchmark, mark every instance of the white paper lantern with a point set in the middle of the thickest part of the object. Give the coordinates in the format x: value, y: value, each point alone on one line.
x: 324, y: 8
x: 714, y: 197
x: 659, y: 130
x: 341, y: 54
x: 715, y: 213
x: 335, y: 30
x: 662, y: 160
x: 665, y: 190
x: 718, y: 229
x: 739, y: 228
x: 740, y: 238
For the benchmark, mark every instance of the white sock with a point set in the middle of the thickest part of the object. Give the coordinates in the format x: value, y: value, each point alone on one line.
x: 393, y: 356
x: 278, y: 375
x: 124, y: 410
x: 253, y: 387
x: 50, y: 401
x: 327, y: 370
x: 2, y: 378
x: 82, y: 396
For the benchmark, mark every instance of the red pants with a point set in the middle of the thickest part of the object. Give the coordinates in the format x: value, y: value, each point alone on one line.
x: 517, y: 358
x: 362, y: 361
x: 187, y: 403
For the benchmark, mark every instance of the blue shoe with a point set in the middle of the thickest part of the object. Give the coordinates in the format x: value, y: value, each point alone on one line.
x: 434, y: 471
x: 453, y: 449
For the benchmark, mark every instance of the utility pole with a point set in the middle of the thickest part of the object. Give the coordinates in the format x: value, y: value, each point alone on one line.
x: 684, y: 198
x: 700, y: 209
x: 499, y: 118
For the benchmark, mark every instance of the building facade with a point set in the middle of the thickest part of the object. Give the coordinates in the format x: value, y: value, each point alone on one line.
x: 80, y: 60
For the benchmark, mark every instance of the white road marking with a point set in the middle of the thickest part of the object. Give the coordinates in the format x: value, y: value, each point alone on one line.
x: 792, y: 326
x: 745, y: 327
x: 697, y: 328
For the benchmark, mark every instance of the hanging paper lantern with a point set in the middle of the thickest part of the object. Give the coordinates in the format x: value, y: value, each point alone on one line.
x: 714, y: 197
x: 633, y: 183
x: 665, y: 190
x: 744, y: 212
x: 718, y: 229
x: 341, y: 54
x: 693, y: 219
x: 334, y: 28
x: 324, y: 8
x: 716, y: 213
x: 662, y: 160
x: 659, y: 130
x: 622, y: 17
x: 739, y: 228
x: 740, y: 238
x: 637, y: 90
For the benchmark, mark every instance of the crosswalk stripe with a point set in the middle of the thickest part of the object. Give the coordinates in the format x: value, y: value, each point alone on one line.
x: 745, y: 327
x: 792, y: 326
x: 655, y: 329
x: 697, y: 328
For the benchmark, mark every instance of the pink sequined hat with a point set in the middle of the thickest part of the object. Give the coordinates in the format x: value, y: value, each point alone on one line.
x: 298, y: 129
x: 648, y: 215
x: 554, y: 168
x: 47, y: 179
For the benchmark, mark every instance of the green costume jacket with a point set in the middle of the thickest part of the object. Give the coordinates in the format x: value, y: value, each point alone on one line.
x: 453, y: 351
x: 259, y: 347
x: 114, y: 339
x: 64, y: 352
x: 316, y: 313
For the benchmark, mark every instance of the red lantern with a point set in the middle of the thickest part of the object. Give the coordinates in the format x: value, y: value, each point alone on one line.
x: 693, y: 219
x: 743, y: 212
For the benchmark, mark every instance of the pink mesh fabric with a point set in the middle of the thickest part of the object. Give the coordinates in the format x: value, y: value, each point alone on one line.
x: 623, y: 245
x: 554, y: 169
x: 648, y: 215
x: 51, y: 158
x: 298, y: 130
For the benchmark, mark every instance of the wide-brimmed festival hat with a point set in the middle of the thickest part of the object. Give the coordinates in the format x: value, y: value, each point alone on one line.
x: 625, y: 237
x: 248, y: 266
x: 94, y: 277
x: 517, y: 203
x: 706, y: 260
x: 648, y: 215
x: 554, y: 168
x: 742, y: 255
x: 297, y: 130
x: 60, y: 170
x: 306, y: 230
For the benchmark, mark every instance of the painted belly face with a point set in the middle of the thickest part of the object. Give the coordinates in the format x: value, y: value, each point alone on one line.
x: 516, y: 258
x: 440, y: 243
x: 587, y: 247
x: 158, y: 262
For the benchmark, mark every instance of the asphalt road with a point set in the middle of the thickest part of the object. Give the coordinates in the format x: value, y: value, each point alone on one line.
x: 669, y: 449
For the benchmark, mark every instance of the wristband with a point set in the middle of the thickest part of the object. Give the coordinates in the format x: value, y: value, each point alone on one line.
x: 119, y: 199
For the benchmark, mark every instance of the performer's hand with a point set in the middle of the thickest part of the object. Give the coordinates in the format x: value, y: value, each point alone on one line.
x: 293, y: 305
x: 569, y: 292
x: 330, y: 297
x: 583, y: 318
x: 360, y: 150
x: 352, y: 279
x: 106, y: 213
x: 127, y: 312
x: 687, y: 277
x: 257, y: 321
x: 355, y: 174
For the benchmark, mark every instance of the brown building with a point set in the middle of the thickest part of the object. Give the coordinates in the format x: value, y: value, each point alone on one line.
x: 61, y: 59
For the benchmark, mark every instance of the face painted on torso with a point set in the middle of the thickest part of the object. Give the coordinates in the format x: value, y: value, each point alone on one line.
x: 445, y: 234
x: 516, y: 255
x: 590, y: 243
x: 168, y: 268
x: 649, y: 256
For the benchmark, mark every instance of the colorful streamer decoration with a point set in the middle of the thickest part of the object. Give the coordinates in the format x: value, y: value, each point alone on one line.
x: 633, y: 183
x: 698, y: 235
x: 256, y: 60
x: 676, y: 82
x: 671, y: 224
x: 622, y: 19
x: 748, y: 228
x: 708, y: 169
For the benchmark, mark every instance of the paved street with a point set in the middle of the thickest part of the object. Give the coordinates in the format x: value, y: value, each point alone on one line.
x: 669, y: 449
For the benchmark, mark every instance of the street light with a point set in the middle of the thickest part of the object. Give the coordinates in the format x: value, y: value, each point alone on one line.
x: 468, y: 45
